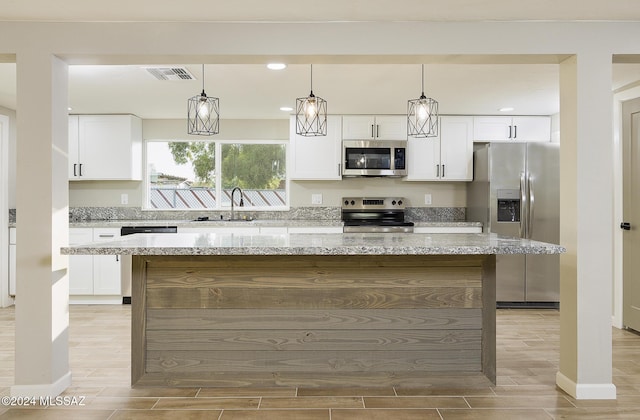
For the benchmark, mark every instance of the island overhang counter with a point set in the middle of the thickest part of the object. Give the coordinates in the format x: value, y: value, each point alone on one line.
x: 313, y: 309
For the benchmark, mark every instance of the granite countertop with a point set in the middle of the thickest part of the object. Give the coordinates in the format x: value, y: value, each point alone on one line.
x: 239, y: 223
x: 315, y: 244
x: 206, y: 223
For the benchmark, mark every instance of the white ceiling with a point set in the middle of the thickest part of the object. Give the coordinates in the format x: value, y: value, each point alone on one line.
x: 252, y: 91
x: 325, y: 10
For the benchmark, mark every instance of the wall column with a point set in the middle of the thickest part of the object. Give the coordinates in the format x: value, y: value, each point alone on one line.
x: 586, y: 226
x: 42, y: 288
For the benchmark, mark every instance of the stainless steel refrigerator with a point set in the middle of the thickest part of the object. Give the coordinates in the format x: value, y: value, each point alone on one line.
x: 515, y: 192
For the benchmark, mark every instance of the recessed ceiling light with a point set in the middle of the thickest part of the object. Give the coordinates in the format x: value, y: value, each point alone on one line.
x: 69, y: 109
x: 286, y: 108
x: 276, y: 66
x: 506, y: 109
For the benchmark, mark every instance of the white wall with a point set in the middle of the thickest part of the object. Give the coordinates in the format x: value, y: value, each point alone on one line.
x: 12, y: 154
x: 586, y: 94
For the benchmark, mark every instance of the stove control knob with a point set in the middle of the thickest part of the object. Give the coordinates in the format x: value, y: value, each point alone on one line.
x: 393, y: 203
x: 346, y: 202
x: 399, y: 202
x: 353, y: 203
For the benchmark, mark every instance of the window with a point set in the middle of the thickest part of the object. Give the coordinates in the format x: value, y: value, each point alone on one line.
x: 197, y: 175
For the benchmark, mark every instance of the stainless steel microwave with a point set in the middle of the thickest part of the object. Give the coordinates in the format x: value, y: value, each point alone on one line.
x: 374, y: 157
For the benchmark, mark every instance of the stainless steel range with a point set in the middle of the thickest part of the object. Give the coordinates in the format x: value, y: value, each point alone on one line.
x: 374, y: 214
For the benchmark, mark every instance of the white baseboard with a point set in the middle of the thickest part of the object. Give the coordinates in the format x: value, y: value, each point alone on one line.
x: 42, y: 390
x: 616, y: 321
x: 95, y: 300
x: 586, y: 391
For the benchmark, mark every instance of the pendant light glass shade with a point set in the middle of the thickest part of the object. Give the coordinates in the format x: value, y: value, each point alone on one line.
x: 203, y: 113
x: 422, y: 115
x: 311, y: 114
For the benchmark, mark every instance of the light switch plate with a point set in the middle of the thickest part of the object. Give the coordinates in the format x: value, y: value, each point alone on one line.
x: 316, y: 198
x: 427, y: 199
x: 124, y: 198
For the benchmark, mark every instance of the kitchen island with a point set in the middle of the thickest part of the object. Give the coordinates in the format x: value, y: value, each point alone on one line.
x: 313, y: 309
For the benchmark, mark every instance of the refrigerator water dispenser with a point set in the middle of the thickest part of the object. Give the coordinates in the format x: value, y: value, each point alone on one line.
x: 508, y: 206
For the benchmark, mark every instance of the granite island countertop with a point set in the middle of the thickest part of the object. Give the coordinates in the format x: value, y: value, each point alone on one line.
x: 315, y: 244
x: 256, y: 222
x: 213, y: 223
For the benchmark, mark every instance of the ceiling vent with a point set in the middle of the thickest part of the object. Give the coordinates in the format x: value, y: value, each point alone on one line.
x: 170, y: 73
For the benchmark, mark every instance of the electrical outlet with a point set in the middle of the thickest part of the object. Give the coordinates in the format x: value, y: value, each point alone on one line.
x: 427, y: 199
x: 316, y: 198
x: 124, y: 198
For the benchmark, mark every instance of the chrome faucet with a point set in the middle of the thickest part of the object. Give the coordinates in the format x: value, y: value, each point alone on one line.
x: 241, y: 204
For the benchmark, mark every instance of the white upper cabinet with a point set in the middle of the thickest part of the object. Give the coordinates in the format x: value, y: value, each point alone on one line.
x: 74, y: 147
x: 510, y: 129
x: 532, y: 128
x: 448, y: 157
x: 105, y: 147
x: 316, y: 158
x: 456, y: 148
x: 423, y: 159
x: 374, y: 127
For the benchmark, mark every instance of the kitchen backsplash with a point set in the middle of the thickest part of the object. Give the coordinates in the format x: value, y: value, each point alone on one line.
x: 413, y: 214
x: 80, y: 214
x: 436, y: 214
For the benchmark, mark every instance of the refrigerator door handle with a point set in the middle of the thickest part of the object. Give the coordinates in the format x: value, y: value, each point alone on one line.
x: 523, y: 206
x: 531, y: 207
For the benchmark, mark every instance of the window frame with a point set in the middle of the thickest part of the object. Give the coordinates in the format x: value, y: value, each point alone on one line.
x: 146, y: 204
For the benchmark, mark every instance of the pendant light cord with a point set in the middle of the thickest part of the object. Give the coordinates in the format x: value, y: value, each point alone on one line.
x: 311, y: 78
x: 423, y: 80
x: 203, y: 78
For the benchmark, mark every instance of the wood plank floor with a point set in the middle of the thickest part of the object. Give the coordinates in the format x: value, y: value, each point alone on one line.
x: 528, y: 352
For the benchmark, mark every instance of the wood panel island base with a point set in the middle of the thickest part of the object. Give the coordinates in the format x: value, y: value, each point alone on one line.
x: 313, y: 320
x: 313, y: 310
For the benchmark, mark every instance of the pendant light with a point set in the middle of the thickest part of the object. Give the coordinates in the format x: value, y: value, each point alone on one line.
x: 422, y: 115
x: 203, y: 113
x: 311, y: 114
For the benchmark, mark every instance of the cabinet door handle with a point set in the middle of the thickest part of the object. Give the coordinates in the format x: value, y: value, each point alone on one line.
x: 74, y: 169
x: 625, y: 225
x: 372, y: 133
x: 106, y: 236
x: 117, y: 258
x: 515, y: 131
x: 339, y: 169
x: 377, y: 130
x: 80, y: 166
x: 510, y: 127
x: 437, y: 171
x: 443, y: 170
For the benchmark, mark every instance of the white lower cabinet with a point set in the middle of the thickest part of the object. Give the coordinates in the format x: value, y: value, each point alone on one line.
x: 97, y: 275
x: 106, y: 268
x: 316, y: 229
x: 80, y: 266
x: 273, y: 230
x: 254, y: 230
x: 447, y: 229
x: 240, y: 230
